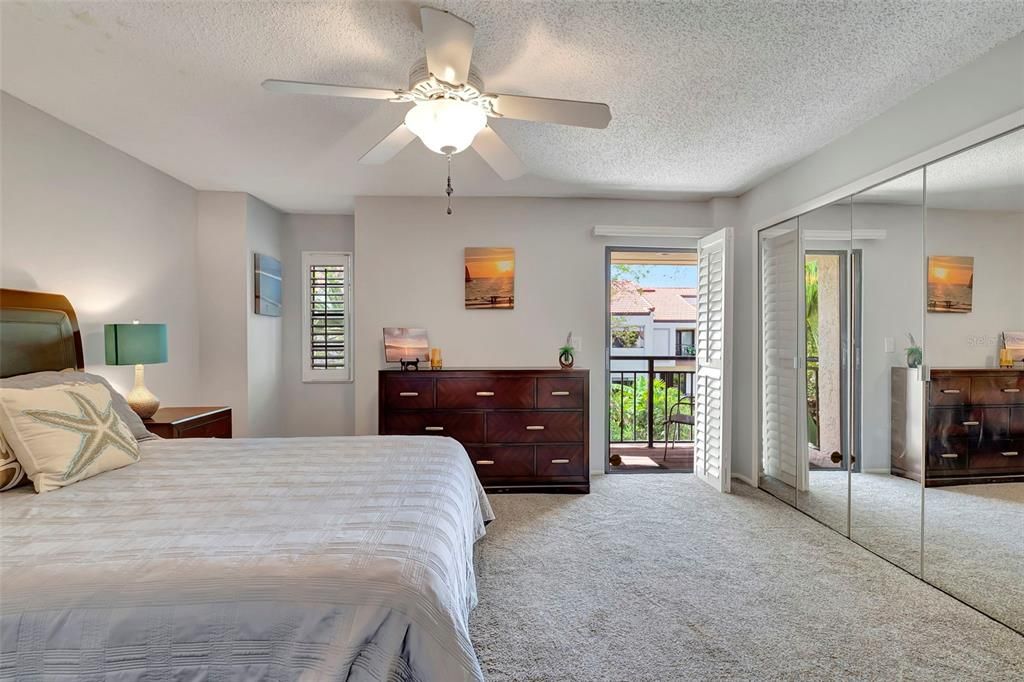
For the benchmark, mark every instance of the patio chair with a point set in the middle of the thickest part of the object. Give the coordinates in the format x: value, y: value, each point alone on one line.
x: 676, y: 416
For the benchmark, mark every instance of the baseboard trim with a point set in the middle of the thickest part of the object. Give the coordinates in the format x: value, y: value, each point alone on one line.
x: 745, y: 479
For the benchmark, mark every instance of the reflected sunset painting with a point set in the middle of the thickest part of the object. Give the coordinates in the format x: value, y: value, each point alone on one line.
x: 490, y: 277
x: 950, y: 284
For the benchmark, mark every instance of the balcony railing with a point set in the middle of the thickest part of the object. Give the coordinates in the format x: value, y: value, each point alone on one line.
x: 640, y: 400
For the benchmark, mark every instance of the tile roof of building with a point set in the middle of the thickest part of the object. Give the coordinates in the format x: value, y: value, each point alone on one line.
x: 667, y: 303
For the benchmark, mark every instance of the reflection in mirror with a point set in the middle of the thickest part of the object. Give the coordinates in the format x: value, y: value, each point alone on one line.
x: 888, y: 304
x: 974, y: 417
x: 823, y: 476
x: 781, y: 277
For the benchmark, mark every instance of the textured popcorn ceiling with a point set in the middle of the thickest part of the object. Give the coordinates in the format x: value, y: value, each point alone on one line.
x: 707, y: 98
x: 989, y: 177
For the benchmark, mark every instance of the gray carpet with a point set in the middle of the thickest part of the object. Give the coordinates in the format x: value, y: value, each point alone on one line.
x: 657, y: 577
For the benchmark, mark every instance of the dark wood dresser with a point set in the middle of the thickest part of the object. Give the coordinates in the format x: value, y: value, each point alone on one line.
x: 526, y: 430
x: 973, y: 428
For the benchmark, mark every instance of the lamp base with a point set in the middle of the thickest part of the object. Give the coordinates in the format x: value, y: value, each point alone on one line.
x: 140, y: 399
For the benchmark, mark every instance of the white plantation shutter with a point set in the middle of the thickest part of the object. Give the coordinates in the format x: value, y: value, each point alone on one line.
x: 781, y: 332
x: 712, y: 392
x: 326, y: 316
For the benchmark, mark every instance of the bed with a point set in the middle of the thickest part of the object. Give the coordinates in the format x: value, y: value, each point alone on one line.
x: 303, y: 558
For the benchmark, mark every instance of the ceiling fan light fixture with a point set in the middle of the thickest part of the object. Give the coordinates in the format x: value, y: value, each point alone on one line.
x: 446, y: 126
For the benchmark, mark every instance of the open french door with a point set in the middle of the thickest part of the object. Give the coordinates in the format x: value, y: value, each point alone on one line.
x: 713, y: 388
x: 782, y: 338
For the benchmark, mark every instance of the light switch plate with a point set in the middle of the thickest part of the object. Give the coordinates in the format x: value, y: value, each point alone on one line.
x: 890, y: 345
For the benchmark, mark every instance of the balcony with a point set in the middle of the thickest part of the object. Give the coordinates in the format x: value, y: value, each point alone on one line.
x: 642, y: 391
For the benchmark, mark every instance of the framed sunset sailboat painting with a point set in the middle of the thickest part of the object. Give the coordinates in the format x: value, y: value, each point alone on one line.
x: 490, y: 277
x: 950, y: 284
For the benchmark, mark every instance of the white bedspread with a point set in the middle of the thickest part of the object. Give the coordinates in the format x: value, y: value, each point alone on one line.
x: 276, y: 559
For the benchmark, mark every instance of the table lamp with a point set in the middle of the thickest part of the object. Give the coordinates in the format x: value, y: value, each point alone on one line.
x: 137, y: 344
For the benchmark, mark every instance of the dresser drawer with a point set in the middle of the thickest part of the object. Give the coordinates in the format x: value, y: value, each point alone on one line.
x: 998, y: 390
x: 1017, y: 422
x: 402, y: 392
x: 947, y: 457
x: 534, y: 427
x: 502, y: 462
x: 558, y: 461
x: 486, y: 392
x: 560, y: 392
x: 953, y: 423
x: 467, y: 427
x: 998, y: 454
x: 949, y: 390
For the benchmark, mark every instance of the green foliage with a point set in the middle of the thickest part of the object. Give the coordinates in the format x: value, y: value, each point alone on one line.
x: 628, y: 415
x: 629, y: 272
x: 811, y: 300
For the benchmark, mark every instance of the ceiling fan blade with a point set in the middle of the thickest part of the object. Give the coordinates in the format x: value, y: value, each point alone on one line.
x: 498, y: 155
x: 386, y: 149
x: 449, y: 42
x: 328, y: 90
x: 565, y: 111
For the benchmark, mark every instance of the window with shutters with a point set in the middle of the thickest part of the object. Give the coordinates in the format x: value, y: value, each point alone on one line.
x: 327, y: 317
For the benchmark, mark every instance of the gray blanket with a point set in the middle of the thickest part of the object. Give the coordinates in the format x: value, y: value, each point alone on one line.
x: 277, y: 559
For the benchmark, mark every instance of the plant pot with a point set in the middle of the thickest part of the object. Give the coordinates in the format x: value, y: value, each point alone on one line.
x: 566, y: 359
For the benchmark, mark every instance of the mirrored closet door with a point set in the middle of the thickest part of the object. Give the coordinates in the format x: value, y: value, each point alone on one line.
x: 974, y: 413
x: 892, y: 371
x: 885, y: 486
x: 824, y: 454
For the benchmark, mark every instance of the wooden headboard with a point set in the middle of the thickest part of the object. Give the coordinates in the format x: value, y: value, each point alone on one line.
x: 38, y: 332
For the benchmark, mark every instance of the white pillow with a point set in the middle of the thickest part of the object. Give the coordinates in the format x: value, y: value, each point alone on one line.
x: 65, y: 433
x: 11, y: 472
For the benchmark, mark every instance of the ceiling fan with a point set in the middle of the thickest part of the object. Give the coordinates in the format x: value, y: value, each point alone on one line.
x: 451, y: 109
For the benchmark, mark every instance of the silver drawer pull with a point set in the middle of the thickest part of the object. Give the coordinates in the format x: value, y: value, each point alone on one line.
x: 951, y: 390
x: 559, y: 392
x: 1009, y: 454
x: 485, y: 461
x: 485, y: 394
x: 433, y: 428
x: 949, y: 455
x: 559, y: 461
x: 409, y: 394
x: 534, y: 428
x: 971, y: 423
x: 1011, y: 390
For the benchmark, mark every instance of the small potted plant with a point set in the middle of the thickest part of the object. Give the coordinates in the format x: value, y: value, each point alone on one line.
x: 914, y: 353
x: 565, y: 353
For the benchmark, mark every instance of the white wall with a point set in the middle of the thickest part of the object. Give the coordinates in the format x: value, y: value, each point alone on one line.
x: 116, y: 236
x: 263, y: 226
x: 223, y: 333
x: 311, y: 409
x: 996, y: 241
x: 409, y: 272
x: 979, y: 93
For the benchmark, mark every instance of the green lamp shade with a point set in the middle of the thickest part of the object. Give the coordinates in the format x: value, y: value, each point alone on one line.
x: 136, y: 344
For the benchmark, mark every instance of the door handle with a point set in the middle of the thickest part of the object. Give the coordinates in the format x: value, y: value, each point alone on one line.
x: 534, y: 428
x: 949, y: 455
x: 1011, y: 390
x: 559, y: 461
x: 971, y: 423
x: 485, y: 394
x: 1009, y: 454
x: 485, y: 461
x: 559, y: 392
x: 433, y: 428
x: 409, y: 394
x: 951, y: 391
x: 836, y: 457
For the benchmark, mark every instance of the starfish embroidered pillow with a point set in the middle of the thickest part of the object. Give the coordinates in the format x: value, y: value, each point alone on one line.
x: 11, y: 473
x: 66, y: 433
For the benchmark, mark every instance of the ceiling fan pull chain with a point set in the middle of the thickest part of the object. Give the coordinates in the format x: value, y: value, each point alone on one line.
x: 448, y: 190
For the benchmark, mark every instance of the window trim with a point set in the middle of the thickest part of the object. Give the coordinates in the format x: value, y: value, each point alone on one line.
x: 321, y: 376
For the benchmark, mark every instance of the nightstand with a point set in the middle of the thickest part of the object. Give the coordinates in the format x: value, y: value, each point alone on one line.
x: 190, y: 422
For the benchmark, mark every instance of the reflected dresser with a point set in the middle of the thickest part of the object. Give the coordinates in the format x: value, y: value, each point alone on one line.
x: 526, y: 430
x: 973, y: 423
